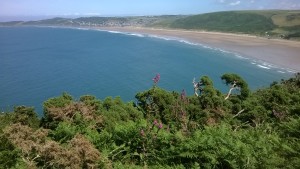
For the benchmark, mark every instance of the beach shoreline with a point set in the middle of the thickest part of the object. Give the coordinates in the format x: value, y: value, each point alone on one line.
x: 277, y: 52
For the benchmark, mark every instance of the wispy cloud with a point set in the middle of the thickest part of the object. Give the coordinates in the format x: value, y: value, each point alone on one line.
x: 80, y: 14
x: 92, y: 13
x: 234, y: 3
x: 289, y: 4
x: 230, y: 2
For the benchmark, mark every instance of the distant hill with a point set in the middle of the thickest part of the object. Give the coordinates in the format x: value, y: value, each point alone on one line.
x: 99, y: 21
x: 227, y: 21
x: 271, y: 23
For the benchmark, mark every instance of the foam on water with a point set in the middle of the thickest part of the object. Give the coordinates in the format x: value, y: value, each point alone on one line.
x: 264, y: 67
x: 279, y: 71
x: 113, y: 32
x: 125, y: 33
x: 259, y: 63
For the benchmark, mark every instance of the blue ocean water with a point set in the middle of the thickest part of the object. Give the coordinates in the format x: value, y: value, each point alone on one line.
x: 39, y: 63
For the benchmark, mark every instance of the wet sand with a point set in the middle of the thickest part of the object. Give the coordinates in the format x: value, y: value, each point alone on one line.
x: 283, y: 53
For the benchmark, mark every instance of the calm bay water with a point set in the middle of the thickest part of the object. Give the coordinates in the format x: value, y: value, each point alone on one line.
x: 39, y: 63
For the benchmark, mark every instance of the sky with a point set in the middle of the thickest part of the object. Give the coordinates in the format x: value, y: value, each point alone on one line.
x: 40, y: 9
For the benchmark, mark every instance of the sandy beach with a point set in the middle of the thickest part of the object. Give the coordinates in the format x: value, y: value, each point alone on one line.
x: 283, y: 53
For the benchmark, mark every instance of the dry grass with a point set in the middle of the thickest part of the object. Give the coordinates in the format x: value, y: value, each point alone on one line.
x: 291, y: 18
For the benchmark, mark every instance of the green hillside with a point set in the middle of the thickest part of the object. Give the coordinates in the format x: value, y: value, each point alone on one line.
x: 227, y: 22
x: 277, y: 23
x: 271, y: 23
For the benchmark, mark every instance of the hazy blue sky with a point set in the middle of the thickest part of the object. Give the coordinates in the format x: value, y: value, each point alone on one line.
x: 46, y: 8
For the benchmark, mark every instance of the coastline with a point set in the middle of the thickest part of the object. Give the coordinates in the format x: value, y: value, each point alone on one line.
x: 277, y: 52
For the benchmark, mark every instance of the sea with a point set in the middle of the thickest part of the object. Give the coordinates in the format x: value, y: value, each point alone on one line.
x: 38, y: 63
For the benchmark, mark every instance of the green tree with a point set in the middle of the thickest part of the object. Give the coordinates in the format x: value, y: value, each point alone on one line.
x: 236, y: 82
x: 157, y: 103
x: 26, y: 116
x: 9, y: 155
x: 55, y: 110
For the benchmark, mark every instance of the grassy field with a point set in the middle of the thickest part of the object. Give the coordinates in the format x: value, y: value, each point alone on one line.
x: 227, y: 22
x: 291, y: 18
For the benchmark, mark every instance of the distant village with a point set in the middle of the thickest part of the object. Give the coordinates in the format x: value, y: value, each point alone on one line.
x: 96, y: 21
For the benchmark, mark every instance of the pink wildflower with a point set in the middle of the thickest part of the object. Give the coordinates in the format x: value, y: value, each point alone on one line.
x: 142, y: 133
x: 155, y: 122
x: 183, y: 95
x: 156, y: 78
x: 160, y: 125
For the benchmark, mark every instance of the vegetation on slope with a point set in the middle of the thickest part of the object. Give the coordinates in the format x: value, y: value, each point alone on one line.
x: 162, y: 130
x: 271, y: 23
x: 227, y: 22
x: 98, y: 21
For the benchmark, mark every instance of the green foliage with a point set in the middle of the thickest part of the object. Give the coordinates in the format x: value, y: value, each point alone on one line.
x: 60, y: 101
x: 9, y: 155
x: 290, y: 131
x: 21, y: 114
x: 64, y: 132
x: 163, y: 130
x: 157, y: 103
x: 55, y: 103
x: 231, y: 21
x: 205, y: 80
x: 114, y: 111
x: 91, y: 101
x: 26, y: 116
x: 221, y: 147
x: 234, y: 78
x: 210, y: 97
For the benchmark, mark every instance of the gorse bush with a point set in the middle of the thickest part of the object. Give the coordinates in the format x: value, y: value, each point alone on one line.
x: 162, y: 129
